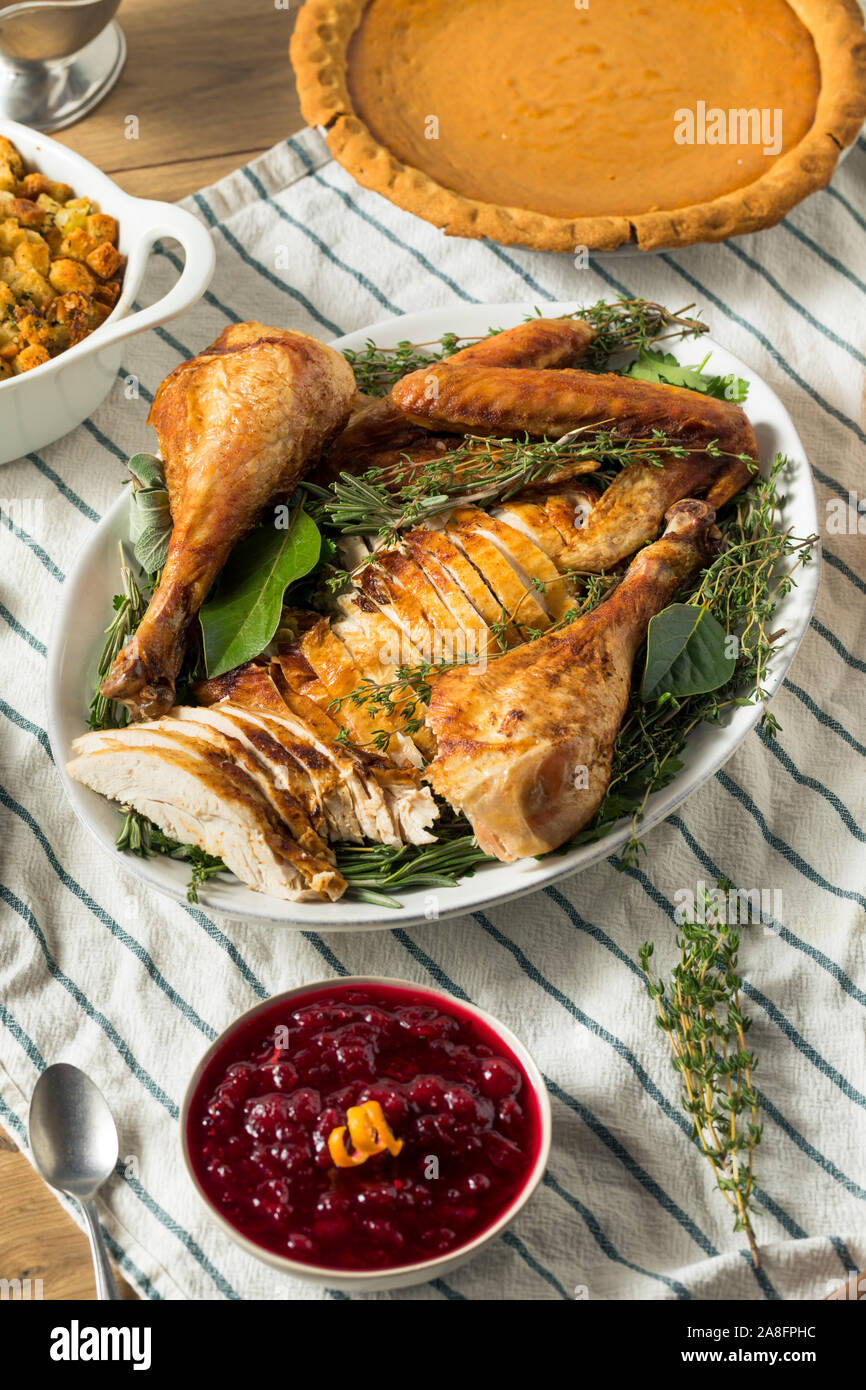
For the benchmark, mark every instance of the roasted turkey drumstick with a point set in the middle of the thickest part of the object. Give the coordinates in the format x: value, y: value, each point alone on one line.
x: 525, y: 745
x: 237, y: 426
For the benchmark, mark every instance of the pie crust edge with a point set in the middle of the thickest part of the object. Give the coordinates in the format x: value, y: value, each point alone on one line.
x: 318, y: 50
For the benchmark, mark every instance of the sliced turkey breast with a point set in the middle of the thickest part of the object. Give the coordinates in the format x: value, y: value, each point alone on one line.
x: 467, y: 527
x: 461, y: 569
x: 376, y: 645
x: 278, y: 771
x: 445, y: 627
x: 533, y: 567
x: 361, y: 793
x: 205, y: 737
x: 204, y: 800
x: 412, y: 809
x: 339, y: 676
x: 250, y: 691
x: 551, y: 520
x: 378, y: 648
x: 476, y: 639
x: 414, y: 600
x: 401, y: 610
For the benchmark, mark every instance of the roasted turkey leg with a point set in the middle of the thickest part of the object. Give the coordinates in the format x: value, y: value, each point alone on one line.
x: 237, y: 426
x: 525, y: 745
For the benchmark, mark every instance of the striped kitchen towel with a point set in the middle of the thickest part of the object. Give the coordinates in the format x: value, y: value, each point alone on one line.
x: 132, y: 988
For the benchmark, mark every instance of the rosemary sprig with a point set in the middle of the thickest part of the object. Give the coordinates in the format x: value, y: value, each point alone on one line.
x: 699, y: 1011
x: 129, y: 609
x: 477, y: 471
x: 622, y: 326
x: 140, y: 836
x: 371, y: 871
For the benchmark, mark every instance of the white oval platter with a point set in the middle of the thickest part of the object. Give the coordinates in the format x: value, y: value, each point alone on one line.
x: 86, y: 604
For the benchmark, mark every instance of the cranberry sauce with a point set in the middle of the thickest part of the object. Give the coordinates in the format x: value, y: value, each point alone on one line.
x: 449, y: 1088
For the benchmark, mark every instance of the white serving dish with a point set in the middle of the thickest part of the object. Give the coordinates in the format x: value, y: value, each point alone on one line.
x: 399, y: 1276
x: 85, y: 607
x: 47, y: 402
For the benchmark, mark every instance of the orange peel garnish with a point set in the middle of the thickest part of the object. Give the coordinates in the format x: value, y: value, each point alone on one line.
x: 369, y: 1132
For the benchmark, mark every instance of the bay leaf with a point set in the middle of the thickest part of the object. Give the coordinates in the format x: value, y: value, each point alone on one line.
x: 241, y: 619
x: 686, y: 653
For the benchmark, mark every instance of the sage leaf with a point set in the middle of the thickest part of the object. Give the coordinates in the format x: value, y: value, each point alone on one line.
x: 241, y: 619
x: 686, y: 653
x: 150, y: 515
x: 147, y: 470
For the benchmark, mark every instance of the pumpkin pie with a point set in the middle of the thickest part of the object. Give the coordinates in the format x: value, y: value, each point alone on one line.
x: 586, y: 123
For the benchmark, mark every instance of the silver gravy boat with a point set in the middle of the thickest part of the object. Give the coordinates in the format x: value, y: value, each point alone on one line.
x: 58, y: 59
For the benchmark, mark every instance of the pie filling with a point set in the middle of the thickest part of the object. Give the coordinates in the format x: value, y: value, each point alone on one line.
x: 617, y: 108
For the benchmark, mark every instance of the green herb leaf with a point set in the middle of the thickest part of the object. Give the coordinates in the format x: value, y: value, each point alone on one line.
x: 241, y: 620
x: 727, y: 388
x: 664, y: 367
x: 150, y: 516
x: 699, y: 1010
x: 686, y: 653
x: 653, y: 365
x: 147, y: 470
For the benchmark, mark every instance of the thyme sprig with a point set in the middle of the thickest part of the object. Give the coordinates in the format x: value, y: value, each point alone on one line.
x: 700, y: 1013
x: 478, y: 471
x: 129, y: 609
x: 377, y: 369
x: 405, y: 698
x: 630, y: 325
x: 622, y: 326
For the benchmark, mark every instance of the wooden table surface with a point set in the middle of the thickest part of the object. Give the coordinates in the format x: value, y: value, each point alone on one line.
x: 210, y: 85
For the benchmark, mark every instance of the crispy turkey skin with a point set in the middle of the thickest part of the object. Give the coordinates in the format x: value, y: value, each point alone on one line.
x: 525, y: 746
x: 237, y: 426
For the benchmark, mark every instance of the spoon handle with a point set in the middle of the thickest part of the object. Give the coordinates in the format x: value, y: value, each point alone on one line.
x: 106, y: 1288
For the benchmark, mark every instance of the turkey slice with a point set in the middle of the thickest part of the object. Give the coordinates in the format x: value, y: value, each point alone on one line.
x: 202, y: 799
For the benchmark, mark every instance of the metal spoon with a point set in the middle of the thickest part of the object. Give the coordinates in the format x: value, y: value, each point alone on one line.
x: 73, y: 1139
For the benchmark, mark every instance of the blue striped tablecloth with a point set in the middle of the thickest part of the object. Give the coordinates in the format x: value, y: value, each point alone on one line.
x: 132, y: 988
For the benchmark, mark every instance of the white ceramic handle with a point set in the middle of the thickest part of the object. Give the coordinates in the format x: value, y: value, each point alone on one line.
x: 200, y: 259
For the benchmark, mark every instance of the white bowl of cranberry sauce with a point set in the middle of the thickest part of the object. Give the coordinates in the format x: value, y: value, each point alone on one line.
x: 365, y: 1133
